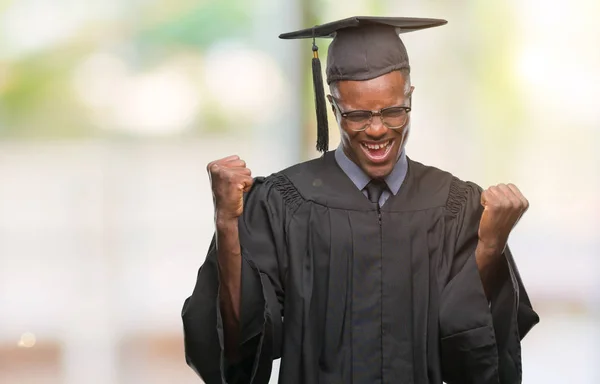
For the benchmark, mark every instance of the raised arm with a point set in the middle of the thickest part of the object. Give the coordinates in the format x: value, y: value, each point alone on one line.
x: 229, y: 180
x: 485, y: 311
x: 232, y: 320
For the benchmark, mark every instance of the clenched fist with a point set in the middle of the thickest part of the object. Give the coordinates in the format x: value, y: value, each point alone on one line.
x: 503, y: 207
x: 229, y: 179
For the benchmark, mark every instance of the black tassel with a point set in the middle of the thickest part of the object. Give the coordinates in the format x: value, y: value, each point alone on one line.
x: 321, y: 106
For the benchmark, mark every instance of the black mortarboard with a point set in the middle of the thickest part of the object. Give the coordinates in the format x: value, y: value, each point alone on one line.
x: 363, y: 48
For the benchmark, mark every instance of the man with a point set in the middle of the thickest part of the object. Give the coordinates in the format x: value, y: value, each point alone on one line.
x: 361, y: 266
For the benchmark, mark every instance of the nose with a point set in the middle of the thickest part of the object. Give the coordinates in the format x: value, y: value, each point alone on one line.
x: 376, y: 129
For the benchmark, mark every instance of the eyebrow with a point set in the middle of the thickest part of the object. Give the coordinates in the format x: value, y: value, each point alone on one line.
x: 403, y: 104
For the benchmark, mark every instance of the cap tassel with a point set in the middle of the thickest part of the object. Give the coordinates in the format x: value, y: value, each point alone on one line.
x: 321, y: 106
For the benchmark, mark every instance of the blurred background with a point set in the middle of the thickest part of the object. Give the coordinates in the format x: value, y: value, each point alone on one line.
x: 111, y: 109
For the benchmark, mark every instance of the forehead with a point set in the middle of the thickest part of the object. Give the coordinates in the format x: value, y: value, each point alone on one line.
x: 389, y: 88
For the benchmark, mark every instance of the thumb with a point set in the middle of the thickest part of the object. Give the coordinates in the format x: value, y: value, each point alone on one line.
x: 484, y: 198
x: 246, y: 184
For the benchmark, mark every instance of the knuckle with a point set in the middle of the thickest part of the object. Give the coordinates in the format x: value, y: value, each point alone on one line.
x: 228, y: 176
x: 494, y: 205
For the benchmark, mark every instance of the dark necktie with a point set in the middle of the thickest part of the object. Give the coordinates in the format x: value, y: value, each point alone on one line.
x: 374, y: 190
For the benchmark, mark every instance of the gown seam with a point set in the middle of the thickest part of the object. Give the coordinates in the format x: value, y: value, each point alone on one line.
x: 351, y: 311
x: 381, y: 327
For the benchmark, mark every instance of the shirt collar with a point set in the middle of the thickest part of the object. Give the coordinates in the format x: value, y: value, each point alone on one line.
x: 394, y: 180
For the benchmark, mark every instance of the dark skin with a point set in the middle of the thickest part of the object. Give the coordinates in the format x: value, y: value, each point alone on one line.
x: 230, y: 178
x: 388, y: 90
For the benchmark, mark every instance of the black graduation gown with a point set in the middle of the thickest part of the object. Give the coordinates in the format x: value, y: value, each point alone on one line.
x: 347, y: 293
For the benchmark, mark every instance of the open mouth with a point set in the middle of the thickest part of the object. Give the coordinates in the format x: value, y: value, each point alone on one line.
x: 377, y: 152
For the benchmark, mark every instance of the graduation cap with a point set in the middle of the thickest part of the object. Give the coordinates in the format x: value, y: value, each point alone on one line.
x: 363, y: 48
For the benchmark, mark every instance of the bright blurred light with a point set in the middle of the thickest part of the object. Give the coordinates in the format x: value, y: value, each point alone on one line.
x: 162, y: 101
x: 558, y: 61
x: 244, y: 81
x: 30, y: 25
x: 27, y: 340
x: 563, y: 86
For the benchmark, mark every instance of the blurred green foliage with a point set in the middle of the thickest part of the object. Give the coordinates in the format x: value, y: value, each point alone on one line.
x: 37, y: 99
x: 197, y: 27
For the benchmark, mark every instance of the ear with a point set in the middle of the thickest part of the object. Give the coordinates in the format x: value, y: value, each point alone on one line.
x: 330, y: 98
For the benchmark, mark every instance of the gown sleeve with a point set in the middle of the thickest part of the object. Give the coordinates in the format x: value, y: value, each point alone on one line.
x: 261, y: 230
x: 480, y: 339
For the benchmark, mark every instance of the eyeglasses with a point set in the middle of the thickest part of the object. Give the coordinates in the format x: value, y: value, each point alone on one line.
x: 391, y: 117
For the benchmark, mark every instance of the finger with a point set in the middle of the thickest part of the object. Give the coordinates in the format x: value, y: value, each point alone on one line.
x: 495, y: 192
x: 514, y: 189
x: 212, y: 167
x: 493, y: 198
x: 222, y: 161
x: 485, y: 196
x: 510, y: 195
x: 235, y: 164
x: 489, y: 197
x: 505, y: 196
x: 246, y: 183
x: 503, y: 190
x: 517, y: 192
x: 240, y: 171
x: 229, y: 158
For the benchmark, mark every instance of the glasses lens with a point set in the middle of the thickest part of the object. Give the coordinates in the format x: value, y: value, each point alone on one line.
x: 359, y: 117
x: 394, y: 117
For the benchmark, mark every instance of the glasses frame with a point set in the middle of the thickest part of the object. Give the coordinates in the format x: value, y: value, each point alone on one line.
x: 379, y: 113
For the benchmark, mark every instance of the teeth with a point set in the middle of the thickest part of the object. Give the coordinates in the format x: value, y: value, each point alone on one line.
x: 377, y: 146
